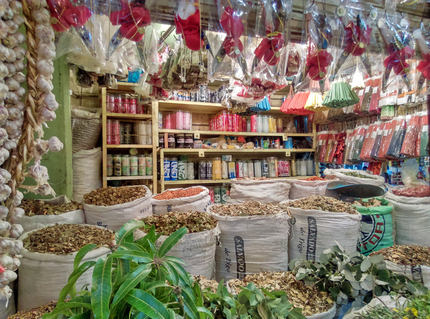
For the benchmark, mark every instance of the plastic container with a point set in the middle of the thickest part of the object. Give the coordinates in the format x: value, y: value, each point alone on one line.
x: 265, y: 168
x: 182, y: 170
x: 171, y: 141
x: 180, y: 140
x: 303, y: 168
x: 202, y: 170
x: 190, y: 170
x: 216, y: 168
x: 149, y: 163
x: 173, y: 169
x: 179, y: 120
x: 231, y: 170
x: 189, y: 141
x: 309, y: 167
x: 279, y: 125
x: 257, y: 168
x: 224, y: 170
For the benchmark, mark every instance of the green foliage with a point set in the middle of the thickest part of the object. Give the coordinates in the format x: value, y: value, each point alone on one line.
x: 136, y: 281
x: 352, y: 275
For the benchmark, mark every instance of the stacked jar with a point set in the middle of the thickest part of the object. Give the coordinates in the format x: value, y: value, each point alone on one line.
x: 129, y: 165
x: 126, y: 103
x: 143, y: 132
x: 109, y: 165
x: 113, y: 132
x: 180, y: 120
x: 125, y: 133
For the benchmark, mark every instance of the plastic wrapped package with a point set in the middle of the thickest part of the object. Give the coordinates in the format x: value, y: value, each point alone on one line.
x: 353, y: 137
x: 422, y: 39
x: 338, y: 154
x: 374, y: 99
x: 331, y: 147
x: 386, y: 138
x: 369, y: 141
x: 187, y: 21
x: 393, y: 151
x: 358, y: 143
x: 387, y: 113
x: 348, y: 139
x: 322, y: 145
x: 409, y: 142
x: 424, y: 134
x: 378, y: 140
x: 320, y: 117
x: 297, y: 104
x: 295, y: 59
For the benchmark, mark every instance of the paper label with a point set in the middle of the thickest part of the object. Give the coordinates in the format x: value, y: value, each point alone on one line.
x: 367, y: 89
x: 380, y: 132
x: 374, y: 134
x: 385, y: 132
x: 375, y: 90
x: 361, y: 93
x: 425, y: 128
x: 397, y: 127
x: 367, y: 135
x: 389, y: 132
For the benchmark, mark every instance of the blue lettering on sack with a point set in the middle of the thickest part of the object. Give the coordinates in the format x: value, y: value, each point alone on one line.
x: 145, y: 209
x: 169, y: 208
x: 312, y: 238
x: 372, y: 231
x: 101, y: 225
x: 208, y: 204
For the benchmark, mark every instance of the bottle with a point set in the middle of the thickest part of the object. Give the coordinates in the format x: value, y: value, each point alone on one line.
x: 209, y: 168
x: 202, y: 170
x: 173, y: 169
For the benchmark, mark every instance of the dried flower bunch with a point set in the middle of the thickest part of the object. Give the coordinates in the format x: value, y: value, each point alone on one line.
x: 35, y: 313
x: 205, y: 283
x: 249, y: 208
x: 66, y: 239
x: 187, y: 192
x: 327, y: 204
x: 372, y: 202
x: 34, y: 207
x: 354, y: 174
x: 409, y: 255
x: 110, y: 196
x: 309, y: 298
x: 169, y: 223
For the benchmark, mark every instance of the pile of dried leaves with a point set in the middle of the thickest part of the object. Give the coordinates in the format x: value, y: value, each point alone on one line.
x: 169, y: 223
x: 66, y: 239
x: 35, y: 313
x: 206, y: 283
x: 409, y: 255
x: 372, y: 202
x: 354, y: 174
x: 327, y: 204
x: 249, y: 208
x: 309, y: 298
x: 110, y: 196
x: 34, y: 207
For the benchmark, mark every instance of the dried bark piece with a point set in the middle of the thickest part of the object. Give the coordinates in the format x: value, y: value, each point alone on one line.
x: 249, y: 208
x: 35, y: 313
x: 327, y: 204
x: 409, y: 255
x: 205, y: 283
x: 110, y: 196
x: 34, y: 207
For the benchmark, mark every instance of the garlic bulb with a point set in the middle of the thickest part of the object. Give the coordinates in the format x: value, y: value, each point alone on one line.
x: 41, y: 16
x: 12, y: 84
x: 8, y: 14
x: 16, y: 248
x: 5, y: 175
x: 3, y: 88
x: 47, y: 114
x: 5, y: 293
x: 16, y: 215
x: 48, y: 100
x: 6, y: 261
x: 20, y: 93
x: 3, y: 135
x: 19, y: 65
x: 18, y: 19
x: 44, y: 85
x: 38, y: 172
x: 19, y: 77
x: 7, y: 276
x: 13, y: 27
x: 44, y: 33
x: 55, y: 144
x: 16, y: 263
x: 4, y: 228
x: 16, y: 230
x: 14, y: 113
x: 3, y: 29
x: 4, y: 52
x: 11, y: 68
x: 16, y: 7
x: 46, y: 51
x: 3, y: 212
x: 20, y: 38
x: 3, y: 115
x: 10, y: 41
x: 44, y: 190
x: 11, y: 57
x: 4, y: 153
x: 20, y: 52
x: 18, y: 198
x: 20, y: 106
x: 4, y: 71
x: 45, y: 67
x: 5, y: 191
x: 9, y: 145
x: 11, y: 98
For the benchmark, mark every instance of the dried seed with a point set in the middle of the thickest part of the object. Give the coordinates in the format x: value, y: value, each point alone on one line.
x: 34, y: 207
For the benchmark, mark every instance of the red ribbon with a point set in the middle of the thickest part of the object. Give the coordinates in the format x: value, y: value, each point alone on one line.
x: 269, y: 49
x: 424, y: 66
x: 317, y: 64
x: 397, y: 60
x: 190, y: 30
x: 356, y: 39
x: 133, y: 19
x: 234, y: 28
x: 65, y: 15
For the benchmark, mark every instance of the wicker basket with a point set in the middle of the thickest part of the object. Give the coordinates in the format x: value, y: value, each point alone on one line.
x: 86, y: 129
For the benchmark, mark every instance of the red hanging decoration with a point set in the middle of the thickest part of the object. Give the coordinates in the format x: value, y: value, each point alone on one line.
x: 397, y: 60
x: 356, y: 39
x: 234, y: 28
x: 317, y: 64
x: 65, y: 15
x: 190, y: 30
x: 424, y: 66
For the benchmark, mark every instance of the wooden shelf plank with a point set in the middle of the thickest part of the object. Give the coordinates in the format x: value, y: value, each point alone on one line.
x: 128, y: 116
x: 126, y: 146
x: 198, y: 107
x: 299, y: 134
x: 220, y: 181
x: 222, y: 151
x: 126, y: 178
x: 220, y: 133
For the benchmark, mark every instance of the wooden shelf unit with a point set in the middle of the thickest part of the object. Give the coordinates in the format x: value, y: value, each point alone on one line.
x: 126, y: 178
x: 220, y: 181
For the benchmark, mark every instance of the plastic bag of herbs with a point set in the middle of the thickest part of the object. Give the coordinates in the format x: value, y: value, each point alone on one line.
x: 60, y: 210
x: 354, y: 176
x: 196, y: 248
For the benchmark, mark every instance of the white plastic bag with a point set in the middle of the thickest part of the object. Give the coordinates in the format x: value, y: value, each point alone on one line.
x: 40, y: 221
x: 251, y: 244
x: 196, y: 203
x: 324, y: 315
x: 267, y: 191
x: 388, y: 301
x: 86, y: 172
x: 113, y: 217
x: 417, y: 273
x: 9, y: 310
x: 301, y: 189
x: 339, y: 173
x: 314, y: 231
x: 197, y: 250
x: 42, y: 276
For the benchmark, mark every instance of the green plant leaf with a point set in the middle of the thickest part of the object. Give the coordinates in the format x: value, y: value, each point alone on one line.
x: 171, y: 241
x: 204, y: 311
x: 175, y: 259
x: 63, y: 306
x: 154, y: 284
x: 296, y: 313
x: 147, y: 304
x: 198, y: 293
x: 366, y: 264
x: 149, y: 237
x: 189, y: 304
x: 183, y: 275
x: 227, y: 312
x: 101, y: 288
x: 173, y: 274
x: 133, y: 255
x: 84, y: 315
x: 132, y: 246
x: 81, y: 254
x: 132, y: 281
x: 125, y: 234
x: 122, y: 270
x: 376, y: 259
x: 73, y: 278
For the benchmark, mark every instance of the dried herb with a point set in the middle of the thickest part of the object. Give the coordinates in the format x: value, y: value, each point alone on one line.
x: 187, y: 192
x: 35, y: 313
x: 169, y: 223
x: 309, y: 298
x: 66, y: 239
x: 372, y: 202
x: 327, y: 204
x: 34, y: 207
x: 205, y: 283
x: 249, y: 208
x: 409, y: 255
x: 110, y: 196
x: 354, y: 174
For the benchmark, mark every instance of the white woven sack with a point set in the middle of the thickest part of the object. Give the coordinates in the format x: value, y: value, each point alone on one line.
x: 301, y: 189
x: 9, y: 310
x: 324, y: 315
x: 314, y: 231
x: 267, y: 191
x: 390, y: 302
x: 86, y: 128
x: 251, y: 244
x: 417, y: 273
x: 86, y: 172
x: 40, y: 221
x: 196, y: 203
x: 197, y: 250
x: 339, y: 173
x: 113, y: 217
x: 412, y: 219
x: 42, y: 276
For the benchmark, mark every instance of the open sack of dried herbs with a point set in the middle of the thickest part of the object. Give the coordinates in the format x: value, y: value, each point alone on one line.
x: 413, y: 261
x: 60, y: 210
x: 353, y: 176
x: 35, y: 313
x: 195, y: 199
x: 308, y: 298
x: 111, y: 207
x: 318, y: 223
x: 305, y: 188
x: 48, y: 260
x: 196, y: 248
x: 254, y: 238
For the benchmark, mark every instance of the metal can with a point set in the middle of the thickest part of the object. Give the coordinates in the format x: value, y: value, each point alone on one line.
x: 117, y: 104
x: 209, y: 166
x: 212, y: 195
x: 134, y: 161
x: 265, y: 168
x: 187, y: 96
x: 108, y: 139
x: 109, y: 170
x: 142, y: 170
x: 142, y: 160
x: 125, y: 160
x: 109, y: 160
x: 182, y: 170
x: 217, y: 195
x: 134, y: 171
x: 114, y: 127
x: 117, y: 160
x: 202, y: 170
x: 125, y: 170
x: 231, y: 170
x: 245, y: 169
x: 115, y: 139
x: 166, y: 169
x: 173, y: 169
x: 117, y: 170
x: 239, y: 169
x: 132, y: 109
x: 128, y: 139
x: 224, y: 198
x: 180, y: 96
x: 190, y: 170
x: 127, y: 128
x: 148, y: 165
x: 160, y: 120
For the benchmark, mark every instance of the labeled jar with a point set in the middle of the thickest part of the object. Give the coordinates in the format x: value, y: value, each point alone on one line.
x: 171, y: 140
x: 161, y: 140
x: 189, y: 141
x: 180, y: 140
x: 190, y: 170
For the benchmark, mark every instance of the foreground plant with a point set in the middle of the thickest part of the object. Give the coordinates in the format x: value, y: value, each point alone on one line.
x: 136, y: 281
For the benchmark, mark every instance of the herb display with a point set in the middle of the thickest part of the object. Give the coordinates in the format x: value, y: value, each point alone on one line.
x: 34, y: 207
x: 187, y: 192
x: 327, y: 204
x: 204, y: 283
x: 309, y: 298
x: 249, y: 208
x: 114, y: 195
x: 354, y: 174
x: 66, y: 239
x: 409, y: 255
x: 372, y: 202
x: 35, y: 313
x: 169, y: 223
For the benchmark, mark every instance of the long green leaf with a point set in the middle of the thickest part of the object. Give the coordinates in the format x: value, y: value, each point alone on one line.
x: 198, y: 293
x: 173, y: 274
x: 203, y: 311
x: 122, y: 269
x: 84, y: 315
x: 126, y: 231
x: 149, y: 237
x: 175, y: 259
x: 63, y: 306
x: 133, y: 255
x: 147, y: 304
x: 73, y: 278
x: 182, y: 272
x: 296, y: 313
x: 153, y: 285
x: 189, y: 305
x: 81, y: 254
x: 132, y: 281
x: 132, y: 246
x: 101, y: 289
x: 171, y: 241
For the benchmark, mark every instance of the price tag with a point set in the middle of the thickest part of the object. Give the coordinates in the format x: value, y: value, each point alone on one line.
x: 284, y: 137
x: 425, y: 128
x: 375, y: 90
x: 287, y: 153
x: 196, y: 135
x: 201, y: 153
x: 367, y: 89
x: 374, y: 134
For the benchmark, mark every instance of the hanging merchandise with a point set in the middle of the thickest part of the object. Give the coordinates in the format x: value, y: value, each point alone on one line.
x: 369, y: 141
x: 297, y: 104
x: 262, y: 106
x: 409, y: 143
x: 424, y: 135
x: 378, y: 141
x: 187, y: 21
x: 340, y: 95
x: 386, y: 138
x: 357, y: 82
x: 314, y: 101
x: 295, y: 59
x: 393, y: 151
x: 422, y: 39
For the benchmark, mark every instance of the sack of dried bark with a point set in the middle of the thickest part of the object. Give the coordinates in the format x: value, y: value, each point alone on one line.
x: 113, y: 207
x: 354, y: 176
x: 318, y: 223
x: 47, y: 264
x: 195, y: 199
x: 60, y: 210
x: 304, y: 188
x: 254, y: 238
x: 35, y: 313
x: 7, y: 307
x: 267, y: 191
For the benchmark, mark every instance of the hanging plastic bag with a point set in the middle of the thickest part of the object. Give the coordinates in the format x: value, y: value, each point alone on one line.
x: 187, y: 21
x: 358, y: 143
x: 369, y: 141
x: 399, y: 132
x: 378, y: 141
x: 386, y: 138
x: 296, y: 58
x: 411, y: 136
x: 422, y: 39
